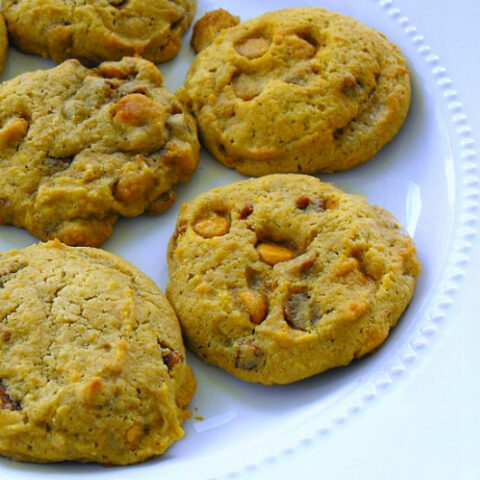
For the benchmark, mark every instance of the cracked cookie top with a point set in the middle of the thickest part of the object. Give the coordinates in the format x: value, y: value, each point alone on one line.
x: 98, y: 30
x: 92, y: 362
x: 282, y: 277
x: 79, y: 147
x: 297, y: 90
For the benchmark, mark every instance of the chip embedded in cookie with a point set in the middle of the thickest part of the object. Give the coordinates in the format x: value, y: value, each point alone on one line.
x: 92, y: 362
x: 97, y: 30
x: 281, y: 277
x: 79, y: 147
x: 299, y: 90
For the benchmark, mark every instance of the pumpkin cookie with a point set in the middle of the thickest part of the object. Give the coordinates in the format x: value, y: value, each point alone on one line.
x: 281, y: 277
x: 98, y: 30
x: 297, y: 90
x: 92, y: 362
x: 79, y: 147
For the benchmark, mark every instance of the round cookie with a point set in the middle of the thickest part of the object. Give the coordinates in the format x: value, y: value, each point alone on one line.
x: 281, y: 277
x: 297, y: 90
x: 97, y: 30
x: 3, y: 43
x: 79, y: 147
x: 92, y: 362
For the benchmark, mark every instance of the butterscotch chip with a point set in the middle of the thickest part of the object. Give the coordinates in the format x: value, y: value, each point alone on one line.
x: 94, y: 369
x: 79, y: 147
x: 255, y: 304
x: 94, y: 31
x: 308, y: 277
x: 272, y: 254
x: 3, y: 42
x: 13, y: 132
x: 212, y: 226
x: 210, y: 25
x: 298, y: 90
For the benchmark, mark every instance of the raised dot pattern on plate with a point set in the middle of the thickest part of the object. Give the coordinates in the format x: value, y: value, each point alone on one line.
x: 466, y: 222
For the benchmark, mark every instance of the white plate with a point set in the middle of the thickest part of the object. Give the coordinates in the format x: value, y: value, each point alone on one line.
x: 428, y: 178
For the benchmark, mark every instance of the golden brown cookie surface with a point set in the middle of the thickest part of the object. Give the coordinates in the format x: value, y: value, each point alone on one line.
x: 298, y: 90
x: 98, y: 30
x: 79, y: 147
x: 282, y: 277
x: 92, y: 362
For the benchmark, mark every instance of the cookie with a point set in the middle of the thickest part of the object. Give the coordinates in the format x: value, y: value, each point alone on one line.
x: 3, y: 43
x: 79, y: 147
x: 209, y: 26
x: 299, y: 90
x: 92, y: 362
x: 281, y: 277
x: 98, y: 30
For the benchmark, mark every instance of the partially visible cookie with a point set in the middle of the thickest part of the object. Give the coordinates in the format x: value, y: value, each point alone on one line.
x: 3, y: 43
x: 209, y: 26
x: 281, y: 277
x: 98, y: 30
x: 79, y: 147
x: 92, y: 362
x: 298, y: 90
